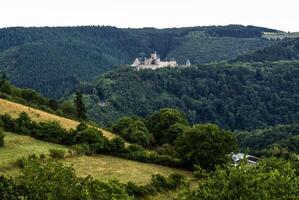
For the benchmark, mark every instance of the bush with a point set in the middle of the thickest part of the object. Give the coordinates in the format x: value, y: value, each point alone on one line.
x: 83, y: 149
x: 116, y: 146
x: 23, y: 124
x: 139, y: 191
x: 275, y: 180
x: 89, y: 136
x: 57, y: 153
x: 133, y: 130
x: 200, y: 173
x: 172, y: 182
x: 8, y: 123
x: 2, y: 135
x: 6, y: 189
x: 53, y: 132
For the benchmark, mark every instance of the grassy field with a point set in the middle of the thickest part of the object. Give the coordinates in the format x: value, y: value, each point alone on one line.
x: 100, y: 167
x: 107, y: 167
x: 18, y: 146
x: 280, y: 35
x: 14, y: 109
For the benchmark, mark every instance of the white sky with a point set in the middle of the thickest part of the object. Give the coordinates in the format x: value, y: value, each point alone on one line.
x: 279, y: 14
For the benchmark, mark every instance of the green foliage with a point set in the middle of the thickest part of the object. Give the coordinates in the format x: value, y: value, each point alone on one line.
x: 71, y: 55
x: 280, y: 140
x: 52, y: 180
x: 166, y: 125
x: 205, y: 145
x: 158, y: 183
x: 57, y: 153
x: 200, y: 173
x: 133, y: 130
x: 173, y: 182
x: 80, y: 106
x: 273, y: 179
x: 8, y: 123
x: 2, y: 136
x: 87, y: 141
x: 238, y: 96
x: 68, y: 109
x: 27, y: 97
x: 6, y: 189
x: 48, y: 131
x: 88, y: 136
x: 285, y: 50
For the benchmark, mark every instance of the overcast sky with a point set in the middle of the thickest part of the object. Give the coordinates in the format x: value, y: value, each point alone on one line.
x: 279, y: 14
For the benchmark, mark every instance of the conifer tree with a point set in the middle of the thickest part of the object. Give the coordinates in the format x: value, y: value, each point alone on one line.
x: 80, y: 106
x: 3, y: 78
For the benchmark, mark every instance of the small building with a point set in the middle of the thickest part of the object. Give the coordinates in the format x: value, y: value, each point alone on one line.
x: 153, y: 62
x: 237, y: 158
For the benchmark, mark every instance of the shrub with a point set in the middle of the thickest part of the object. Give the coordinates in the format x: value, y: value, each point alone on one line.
x: 6, y: 189
x: 81, y: 127
x: 8, y: 123
x: 172, y: 182
x: 116, y: 146
x: 89, y: 136
x: 23, y: 124
x: 200, y: 173
x: 53, y: 132
x: 83, y: 149
x: 57, y: 153
x: 275, y: 180
x: 2, y: 135
x: 139, y: 191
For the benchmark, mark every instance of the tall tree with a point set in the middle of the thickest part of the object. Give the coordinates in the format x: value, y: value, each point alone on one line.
x: 3, y: 78
x: 206, y: 145
x: 80, y: 106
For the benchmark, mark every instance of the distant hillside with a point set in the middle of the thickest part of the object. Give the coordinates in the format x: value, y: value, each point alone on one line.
x: 278, y: 139
x: 242, y: 96
x: 279, y: 35
x: 287, y: 49
x: 54, y: 60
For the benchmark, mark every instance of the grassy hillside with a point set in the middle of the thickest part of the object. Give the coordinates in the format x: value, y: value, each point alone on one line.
x: 107, y: 167
x: 101, y: 167
x: 18, y: 146
x: 14, y: 109
x: 54, y: 60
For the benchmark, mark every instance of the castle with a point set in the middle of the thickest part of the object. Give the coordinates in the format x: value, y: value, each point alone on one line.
x: 153, y: 62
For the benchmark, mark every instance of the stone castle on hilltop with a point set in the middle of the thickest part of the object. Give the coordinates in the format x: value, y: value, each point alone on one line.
x: 153, y: 62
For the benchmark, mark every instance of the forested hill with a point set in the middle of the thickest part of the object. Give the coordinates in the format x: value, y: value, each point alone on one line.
x: 287, y: 49
x: 240, y: 96
x: 54, y: 60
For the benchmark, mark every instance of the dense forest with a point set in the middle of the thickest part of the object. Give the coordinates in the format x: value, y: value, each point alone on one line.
x: 288, y: 49
x: 279, y: 141
x: 240, y: 96
x: 54, y: 60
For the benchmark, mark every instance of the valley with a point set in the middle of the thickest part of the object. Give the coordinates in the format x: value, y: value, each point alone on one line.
x: 78, y: 121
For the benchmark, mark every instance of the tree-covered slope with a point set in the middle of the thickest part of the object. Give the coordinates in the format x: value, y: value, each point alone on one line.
x: 235, y: 96
x: 287, y: 49
x: 54, y: 60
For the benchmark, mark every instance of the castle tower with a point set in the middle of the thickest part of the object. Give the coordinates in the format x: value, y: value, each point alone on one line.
x: 188, y: 63
x: 154, y: 55
x: 136, y: 63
